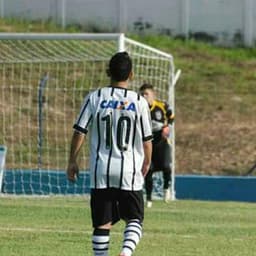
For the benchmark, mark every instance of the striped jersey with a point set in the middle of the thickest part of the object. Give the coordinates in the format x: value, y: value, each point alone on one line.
x: 119, y: 121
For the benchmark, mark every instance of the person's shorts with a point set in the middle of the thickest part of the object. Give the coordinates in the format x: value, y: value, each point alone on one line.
x: 161, y: 156
x: 112, y: 204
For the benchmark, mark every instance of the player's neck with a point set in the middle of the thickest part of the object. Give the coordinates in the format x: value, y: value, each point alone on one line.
x: 151, y: 103
x: 121, y: 84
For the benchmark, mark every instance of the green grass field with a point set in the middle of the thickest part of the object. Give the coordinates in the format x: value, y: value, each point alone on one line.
x: 61, y: 226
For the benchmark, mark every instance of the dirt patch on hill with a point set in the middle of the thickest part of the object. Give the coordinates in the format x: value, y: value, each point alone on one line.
x: 211, y: 148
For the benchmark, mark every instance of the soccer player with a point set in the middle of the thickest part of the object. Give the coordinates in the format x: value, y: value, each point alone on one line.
x: 120, y: 156
x: 162, y: 117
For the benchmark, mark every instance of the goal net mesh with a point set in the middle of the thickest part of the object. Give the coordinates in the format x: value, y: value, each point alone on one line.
x: 43, y: 83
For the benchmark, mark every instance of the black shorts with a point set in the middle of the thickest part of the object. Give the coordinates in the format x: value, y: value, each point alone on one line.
x: 112, y: 204
x: 161, y: 156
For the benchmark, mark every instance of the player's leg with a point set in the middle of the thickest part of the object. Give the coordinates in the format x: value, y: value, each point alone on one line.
x: 166, y: 185
x: 167, y: 161
x: 149, y: 187
x: 100, y: 241
x: 104, y: 213
x: 131, y: 206
x: 149, y: 177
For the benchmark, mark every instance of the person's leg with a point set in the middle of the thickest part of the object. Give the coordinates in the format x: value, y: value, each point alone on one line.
x: 149, y: 177
x: 132, y: 236
x: 166, y: 187
x: 149, y: 187
x: 167, y: 178
x: 131, y: 207
x: 100, y: 240
x: 167, y: 170
x: 104, y: 214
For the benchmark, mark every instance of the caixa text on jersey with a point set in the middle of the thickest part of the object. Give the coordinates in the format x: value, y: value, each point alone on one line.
x: 115, y: 104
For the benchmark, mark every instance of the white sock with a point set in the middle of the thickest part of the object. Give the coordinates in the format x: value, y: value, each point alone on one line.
x: 100, y: 242
x: 132, y: 236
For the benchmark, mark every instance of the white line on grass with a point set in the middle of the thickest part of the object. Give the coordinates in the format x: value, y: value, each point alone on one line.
x: 42, y: 230
x: 87, y: 232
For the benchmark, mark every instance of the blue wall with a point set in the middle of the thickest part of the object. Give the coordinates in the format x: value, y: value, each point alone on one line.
x: 217, y: 188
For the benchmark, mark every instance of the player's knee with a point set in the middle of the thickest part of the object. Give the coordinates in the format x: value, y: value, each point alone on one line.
x: 105, y: 226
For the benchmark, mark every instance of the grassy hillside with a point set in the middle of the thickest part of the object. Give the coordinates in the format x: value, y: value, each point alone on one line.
x: 215, y: 101
x: 215, y: 106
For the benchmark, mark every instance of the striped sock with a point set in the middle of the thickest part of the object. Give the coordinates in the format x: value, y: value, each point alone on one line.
x: 132, y: 236
x: 100, y: 242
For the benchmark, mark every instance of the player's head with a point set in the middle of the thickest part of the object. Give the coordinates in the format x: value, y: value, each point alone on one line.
x: 120, y: 67
x: 148, y: 92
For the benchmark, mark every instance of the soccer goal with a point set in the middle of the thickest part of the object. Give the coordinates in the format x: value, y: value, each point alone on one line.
x: 44, y: 78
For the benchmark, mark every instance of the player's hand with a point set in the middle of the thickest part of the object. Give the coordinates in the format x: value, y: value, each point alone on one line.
x: 72, y: 171
x: 166, y: 132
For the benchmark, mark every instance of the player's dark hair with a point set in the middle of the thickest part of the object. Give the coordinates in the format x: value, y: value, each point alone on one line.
x: 120, y: 66
x: 146, y: 86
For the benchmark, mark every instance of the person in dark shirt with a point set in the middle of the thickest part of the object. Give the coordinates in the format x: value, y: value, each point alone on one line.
x: 162, y: 117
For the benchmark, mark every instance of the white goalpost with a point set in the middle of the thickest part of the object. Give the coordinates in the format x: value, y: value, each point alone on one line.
x: 44, y: 78
x: 3, y: 151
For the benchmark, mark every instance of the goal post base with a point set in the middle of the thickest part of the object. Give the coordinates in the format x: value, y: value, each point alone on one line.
x: 3, y: 151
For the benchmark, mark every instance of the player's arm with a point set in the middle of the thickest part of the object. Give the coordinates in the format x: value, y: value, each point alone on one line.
x: 169, y: 120
x: 147, y: 146
x: 76, y: 143
x: 80, y: 130
x: 169, y: 114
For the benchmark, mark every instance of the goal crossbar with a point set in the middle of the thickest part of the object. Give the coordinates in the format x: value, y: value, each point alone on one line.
x: 59, y: 36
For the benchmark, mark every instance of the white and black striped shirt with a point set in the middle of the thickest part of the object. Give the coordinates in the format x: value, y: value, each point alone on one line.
x: 119, y: 122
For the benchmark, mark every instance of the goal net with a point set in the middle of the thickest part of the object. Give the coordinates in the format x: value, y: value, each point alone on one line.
x: 44, y: 78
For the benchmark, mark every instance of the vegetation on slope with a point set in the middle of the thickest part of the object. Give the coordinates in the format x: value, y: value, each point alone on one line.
x: 215, y: 101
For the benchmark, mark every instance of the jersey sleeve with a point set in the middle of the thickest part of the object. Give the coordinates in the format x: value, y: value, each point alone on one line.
x: 85, y: 116
x: 169, y: 113
x: 146, y: 122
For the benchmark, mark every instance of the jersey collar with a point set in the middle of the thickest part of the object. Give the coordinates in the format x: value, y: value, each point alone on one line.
x: 153, y: 105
